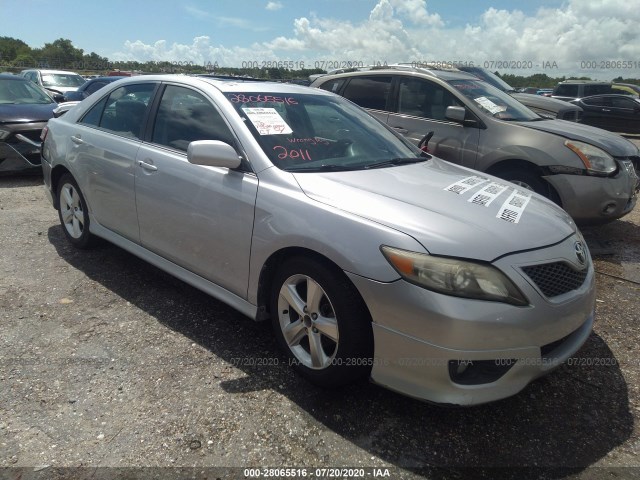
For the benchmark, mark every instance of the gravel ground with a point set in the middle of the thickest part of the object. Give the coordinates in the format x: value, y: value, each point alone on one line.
x: 107, y: 362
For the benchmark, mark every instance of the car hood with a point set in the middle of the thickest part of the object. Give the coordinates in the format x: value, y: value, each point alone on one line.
x: 545, y: 103
x: 21, y: 113
x: 613, y: 144
x: 420, y: 200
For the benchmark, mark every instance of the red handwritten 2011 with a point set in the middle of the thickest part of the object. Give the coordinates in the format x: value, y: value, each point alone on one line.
x: 293, y: 154
x: 242, y: 98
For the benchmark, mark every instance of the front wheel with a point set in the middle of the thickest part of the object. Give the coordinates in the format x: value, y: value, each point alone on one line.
x: 321, y: 323
x: 72, y: 210
x: 527, y: 179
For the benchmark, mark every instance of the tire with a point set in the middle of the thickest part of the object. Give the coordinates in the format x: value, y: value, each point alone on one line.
x: 527, y: 179
x: 73, y: 214
x: 321, y: 323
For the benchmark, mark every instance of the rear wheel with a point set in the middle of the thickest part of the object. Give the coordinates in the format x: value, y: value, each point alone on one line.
x: 72, y: 210
x: 321, y: 323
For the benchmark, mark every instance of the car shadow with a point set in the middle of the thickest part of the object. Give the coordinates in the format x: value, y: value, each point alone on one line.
x: 562, y: 423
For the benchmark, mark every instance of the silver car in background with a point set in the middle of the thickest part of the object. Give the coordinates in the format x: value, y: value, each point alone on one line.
x: 371, y: 258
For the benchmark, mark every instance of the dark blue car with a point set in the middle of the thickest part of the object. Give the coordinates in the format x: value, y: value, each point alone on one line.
x: 88, y: 88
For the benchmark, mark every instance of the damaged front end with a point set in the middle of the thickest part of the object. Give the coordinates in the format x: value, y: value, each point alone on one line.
x: 20, y: 147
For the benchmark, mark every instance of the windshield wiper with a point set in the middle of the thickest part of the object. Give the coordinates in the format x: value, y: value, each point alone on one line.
x: 396, y: 161
x: 323, y: 168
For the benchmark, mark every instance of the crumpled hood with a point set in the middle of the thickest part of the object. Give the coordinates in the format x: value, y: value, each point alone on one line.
x: 421, y: 201
x: 12, y: 113
x: 612, y: 143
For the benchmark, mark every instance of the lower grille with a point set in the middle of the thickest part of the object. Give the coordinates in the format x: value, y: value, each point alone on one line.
x: 557, y: 278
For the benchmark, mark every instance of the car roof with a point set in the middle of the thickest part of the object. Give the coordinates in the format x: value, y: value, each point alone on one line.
x: 229, y: 85
x: 41, y: 70
x: 444, y: 74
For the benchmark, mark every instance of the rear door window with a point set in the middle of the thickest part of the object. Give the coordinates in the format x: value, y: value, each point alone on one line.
x: 369, y: 92
x: 123, y: 111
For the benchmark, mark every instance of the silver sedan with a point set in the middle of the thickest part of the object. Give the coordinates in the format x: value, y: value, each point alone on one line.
x: 371, y: 258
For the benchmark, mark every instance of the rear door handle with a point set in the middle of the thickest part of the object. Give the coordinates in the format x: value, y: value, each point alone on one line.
x: 401, y: 130
x: 606, y: 110
x: 77, y: 140
x: 147, y: 166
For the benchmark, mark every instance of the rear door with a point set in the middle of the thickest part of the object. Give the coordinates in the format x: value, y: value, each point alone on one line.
x: 103, y: 148
x: 198, y: 217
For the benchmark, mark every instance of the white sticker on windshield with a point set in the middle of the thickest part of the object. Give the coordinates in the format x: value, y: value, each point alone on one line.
x: 466, y: 184
x: 489, y: 105
x: 267, y: 121
x: 514, y: 206
x: 488, y: 194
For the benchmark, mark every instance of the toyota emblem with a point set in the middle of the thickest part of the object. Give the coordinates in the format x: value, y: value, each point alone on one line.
x: 581, y: 253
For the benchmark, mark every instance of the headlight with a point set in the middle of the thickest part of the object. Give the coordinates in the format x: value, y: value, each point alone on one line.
x: 596, y: 160
x: 4, y: 134
x: 454, y: 277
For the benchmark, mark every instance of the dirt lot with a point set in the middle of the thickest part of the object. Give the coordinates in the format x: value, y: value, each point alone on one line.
x: 107, y: 362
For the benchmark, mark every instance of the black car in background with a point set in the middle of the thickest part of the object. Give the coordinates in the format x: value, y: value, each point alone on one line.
x: 616, y: 113
x: 25, y: 109
x: 90, y: 87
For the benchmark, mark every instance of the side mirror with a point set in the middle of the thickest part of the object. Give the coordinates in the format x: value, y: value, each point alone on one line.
x: 58, y: 97
x: 213, y: 153
x: 457, y: 114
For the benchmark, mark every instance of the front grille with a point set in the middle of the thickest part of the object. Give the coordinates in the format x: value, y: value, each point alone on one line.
x: 556, y: 278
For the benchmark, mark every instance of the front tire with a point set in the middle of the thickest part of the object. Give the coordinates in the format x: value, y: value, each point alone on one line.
x: 73, y: 213
x: 321, y: 323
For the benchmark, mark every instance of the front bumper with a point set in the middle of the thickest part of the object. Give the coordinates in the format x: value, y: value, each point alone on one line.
x: 592, y: 200
x: 20, y: 157
x: 20, y: 149
x: 425, y: 341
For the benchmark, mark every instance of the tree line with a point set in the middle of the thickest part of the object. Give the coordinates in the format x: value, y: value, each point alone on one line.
x: 16, y: 55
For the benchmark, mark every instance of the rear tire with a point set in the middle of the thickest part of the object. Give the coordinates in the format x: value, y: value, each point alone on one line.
x: 321, y: 322
x: 73, y: 213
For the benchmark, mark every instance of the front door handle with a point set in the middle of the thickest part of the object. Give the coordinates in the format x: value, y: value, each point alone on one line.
x: 77, y: 140
x: 401, y: 130
x: 147, y: 166
x: 606, y: 110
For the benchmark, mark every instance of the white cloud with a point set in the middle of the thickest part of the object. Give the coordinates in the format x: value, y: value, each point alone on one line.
x: 405, y: 31
x: 274, y: 6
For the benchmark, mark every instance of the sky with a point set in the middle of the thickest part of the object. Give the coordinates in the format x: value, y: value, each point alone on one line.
x: 596, y: 38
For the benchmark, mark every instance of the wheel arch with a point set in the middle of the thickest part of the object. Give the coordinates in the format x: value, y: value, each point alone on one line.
x: 270, y: 268
x: 56, y: 174
x: 517, y: 164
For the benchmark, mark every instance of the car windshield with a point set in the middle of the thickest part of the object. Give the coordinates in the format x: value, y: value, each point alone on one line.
x: 62, y: 80
x: 494, y: 102
x: 22, y: 92
x: 308, y: 132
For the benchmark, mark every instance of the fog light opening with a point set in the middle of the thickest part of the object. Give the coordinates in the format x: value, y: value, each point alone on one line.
x: 609, y: 208
x: 478, y: 372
